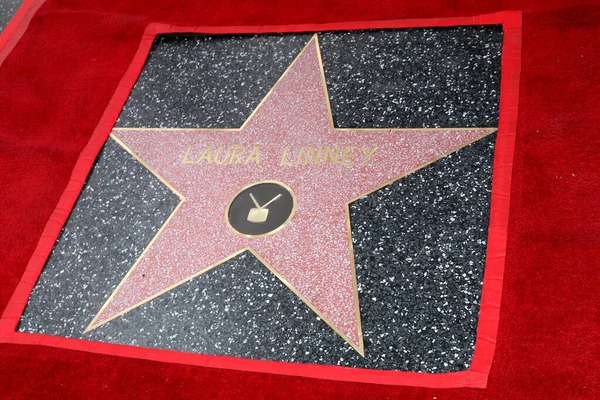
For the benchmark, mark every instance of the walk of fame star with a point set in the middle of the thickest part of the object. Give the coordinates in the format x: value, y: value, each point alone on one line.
x: 279, y: 186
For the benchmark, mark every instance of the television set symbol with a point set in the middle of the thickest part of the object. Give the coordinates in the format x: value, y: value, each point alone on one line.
x: 260, y: 213
x: 262, y: 208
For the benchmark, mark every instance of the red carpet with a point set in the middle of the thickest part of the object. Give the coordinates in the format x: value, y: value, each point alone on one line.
x: 58, y: 80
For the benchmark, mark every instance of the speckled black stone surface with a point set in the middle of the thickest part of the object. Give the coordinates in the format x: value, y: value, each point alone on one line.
x: 414, y: 77
x: 8, y: 8
x: 422, y: 244
x: 404, y: 78
x: 117, y: 214
x: 207, y: 81
x: 419, y: 246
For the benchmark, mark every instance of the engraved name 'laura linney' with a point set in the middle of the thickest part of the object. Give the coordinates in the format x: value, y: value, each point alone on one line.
x: 347, y: 156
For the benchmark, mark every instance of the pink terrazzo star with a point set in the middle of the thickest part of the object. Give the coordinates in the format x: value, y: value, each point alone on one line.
x: 312, y: 253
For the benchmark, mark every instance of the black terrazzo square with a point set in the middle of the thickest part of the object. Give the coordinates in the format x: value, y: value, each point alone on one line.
x: 419, y: 243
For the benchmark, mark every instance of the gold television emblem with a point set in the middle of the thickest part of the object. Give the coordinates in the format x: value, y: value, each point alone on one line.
x: 260, y: 213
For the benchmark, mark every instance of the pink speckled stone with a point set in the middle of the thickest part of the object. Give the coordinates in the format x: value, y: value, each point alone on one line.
x: 312, y: 251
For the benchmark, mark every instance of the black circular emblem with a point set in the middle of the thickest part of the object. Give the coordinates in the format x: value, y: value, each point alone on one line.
x: 261, y: 209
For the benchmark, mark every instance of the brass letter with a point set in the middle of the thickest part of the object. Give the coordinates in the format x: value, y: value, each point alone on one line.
x: 238, y: 151
x: 185, y: 159
x: 206, y: 155
x: 254, y: 156
x: 347, y: 156
x: 224, y: 160
x: 331, y: 154
x: 284, y: 160
x: 299, y: 157
x: 367, y: 154
x: 310, y: 154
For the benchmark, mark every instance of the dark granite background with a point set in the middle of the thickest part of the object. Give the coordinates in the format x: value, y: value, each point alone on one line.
x: 393, y: 78
x: 8, y: 8
x: 419, y: 243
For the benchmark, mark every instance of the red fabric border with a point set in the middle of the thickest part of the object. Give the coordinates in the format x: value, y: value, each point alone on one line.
x: 17, y: 27
x: 476, y: 376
